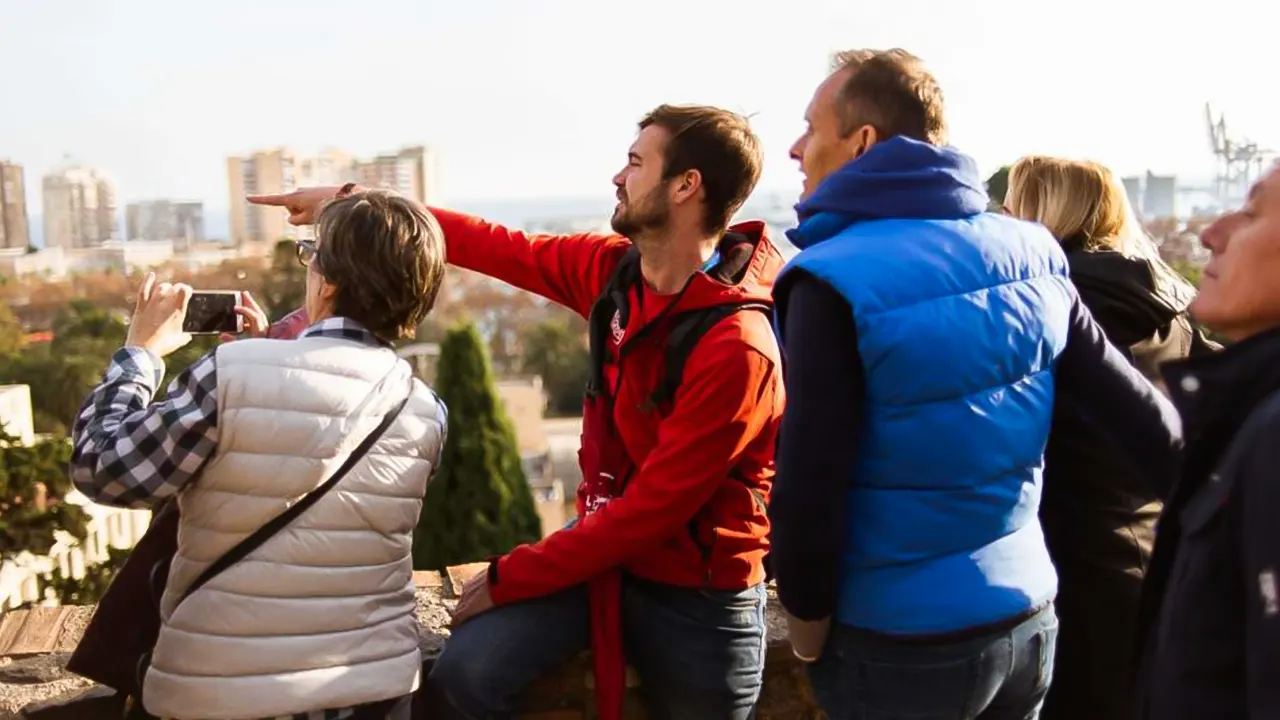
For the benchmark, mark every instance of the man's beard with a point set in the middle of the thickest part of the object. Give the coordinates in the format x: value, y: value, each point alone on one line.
x: 635, y: 220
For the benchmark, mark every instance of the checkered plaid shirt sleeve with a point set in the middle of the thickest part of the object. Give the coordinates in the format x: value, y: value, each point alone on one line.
x: 129, y: 452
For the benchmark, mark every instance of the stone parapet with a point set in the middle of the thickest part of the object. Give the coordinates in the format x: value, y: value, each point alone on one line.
x: 35, y: 645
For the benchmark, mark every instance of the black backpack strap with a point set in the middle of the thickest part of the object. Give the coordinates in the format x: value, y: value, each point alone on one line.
x: 279, y: 522
x: 613, y: 299
x: 686, y: 330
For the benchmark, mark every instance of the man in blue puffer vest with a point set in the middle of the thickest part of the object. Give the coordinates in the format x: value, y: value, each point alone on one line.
x: 926, y: 340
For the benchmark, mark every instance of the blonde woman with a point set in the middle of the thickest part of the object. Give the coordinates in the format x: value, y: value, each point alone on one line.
x: 1098, y: 516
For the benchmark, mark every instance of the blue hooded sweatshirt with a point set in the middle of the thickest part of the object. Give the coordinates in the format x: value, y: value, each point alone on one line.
x: 960, y: 318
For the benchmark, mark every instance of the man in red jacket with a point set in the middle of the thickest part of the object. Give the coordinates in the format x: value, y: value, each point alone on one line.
x: 672, y: 530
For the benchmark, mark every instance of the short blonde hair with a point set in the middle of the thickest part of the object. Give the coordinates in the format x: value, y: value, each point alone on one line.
x: 1078, y: 201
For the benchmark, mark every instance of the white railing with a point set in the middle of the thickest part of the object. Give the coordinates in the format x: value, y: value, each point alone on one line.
x: 107, y: 527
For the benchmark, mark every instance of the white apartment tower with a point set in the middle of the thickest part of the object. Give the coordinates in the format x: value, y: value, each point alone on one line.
x: 79, y: 208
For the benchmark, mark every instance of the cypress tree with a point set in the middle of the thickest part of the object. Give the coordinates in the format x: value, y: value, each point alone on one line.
x: 480, y: 503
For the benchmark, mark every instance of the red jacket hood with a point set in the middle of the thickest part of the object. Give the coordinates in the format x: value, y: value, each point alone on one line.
x: 749, y: 265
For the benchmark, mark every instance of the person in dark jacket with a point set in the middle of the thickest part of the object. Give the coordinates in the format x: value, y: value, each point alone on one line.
x: 924, y: 338
x: 1098, y: 511
x: 1209, y: 618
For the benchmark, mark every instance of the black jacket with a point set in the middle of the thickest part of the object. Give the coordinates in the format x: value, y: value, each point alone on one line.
x: 1098, y: 511
x: 1210, y: 612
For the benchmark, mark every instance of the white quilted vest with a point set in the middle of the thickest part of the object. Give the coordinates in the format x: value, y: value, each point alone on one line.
x: 322, y: 614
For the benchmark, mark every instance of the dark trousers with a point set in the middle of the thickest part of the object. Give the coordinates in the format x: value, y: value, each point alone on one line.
x: 1093, y: 669
x: 1003, y: 675
x: 699, y: 653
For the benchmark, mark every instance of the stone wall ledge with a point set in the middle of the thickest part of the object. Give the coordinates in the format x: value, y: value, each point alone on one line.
x: 35, y: 685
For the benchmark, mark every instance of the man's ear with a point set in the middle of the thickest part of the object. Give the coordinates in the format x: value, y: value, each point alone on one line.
x: 686, y: 186
x: 861, y: 140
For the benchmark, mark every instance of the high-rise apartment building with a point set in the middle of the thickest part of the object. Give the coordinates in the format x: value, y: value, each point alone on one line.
x: 79, y: 208
x: 14, y: 232
x: 410, y: 172
x: 276, y: 171
x: 181, y: 223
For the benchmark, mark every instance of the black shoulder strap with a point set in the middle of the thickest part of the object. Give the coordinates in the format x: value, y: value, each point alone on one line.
x: 279, y: 522
x: 686, y: 330
x: 612, y: 299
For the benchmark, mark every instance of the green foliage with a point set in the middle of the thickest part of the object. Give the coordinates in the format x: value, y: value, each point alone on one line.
x: 285, y: 287
x: 33, y: 507
x: 89, y: 589
x: 480, y: 503
x: 555, y: 351
x: 82, y: 321
x: 998, y: 186
x: 62, y: 372
x: 12, y: 338
x: 33, y: 488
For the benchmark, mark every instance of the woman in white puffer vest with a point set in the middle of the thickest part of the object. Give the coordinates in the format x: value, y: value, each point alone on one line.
x: 317, y: 621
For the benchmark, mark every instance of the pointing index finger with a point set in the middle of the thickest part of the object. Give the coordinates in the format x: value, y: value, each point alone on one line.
x: 278, y: 200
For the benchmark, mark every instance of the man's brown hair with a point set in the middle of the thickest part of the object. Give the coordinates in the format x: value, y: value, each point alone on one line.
x: 720, y: 145
x: 893, y: 92
x: 385, y: 256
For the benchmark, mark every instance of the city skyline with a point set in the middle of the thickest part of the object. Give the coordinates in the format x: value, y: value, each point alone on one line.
x: 388, y: 169
x: 220, y: 205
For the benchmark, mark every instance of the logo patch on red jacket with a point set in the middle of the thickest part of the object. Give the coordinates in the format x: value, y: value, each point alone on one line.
x: 616, y: 326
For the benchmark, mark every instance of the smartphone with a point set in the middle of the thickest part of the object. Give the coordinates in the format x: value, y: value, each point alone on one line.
x: 211, y: 312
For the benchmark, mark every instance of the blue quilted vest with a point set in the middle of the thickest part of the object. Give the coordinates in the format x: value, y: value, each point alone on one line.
x: 961, y: 316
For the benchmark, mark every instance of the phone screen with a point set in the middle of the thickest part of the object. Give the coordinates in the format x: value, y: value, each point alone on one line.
x: 211, y: 312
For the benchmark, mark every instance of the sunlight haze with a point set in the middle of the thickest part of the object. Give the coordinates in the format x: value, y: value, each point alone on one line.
x: 540, y: 98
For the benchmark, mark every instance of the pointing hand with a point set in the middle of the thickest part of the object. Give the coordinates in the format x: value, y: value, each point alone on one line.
x: 304, y: 204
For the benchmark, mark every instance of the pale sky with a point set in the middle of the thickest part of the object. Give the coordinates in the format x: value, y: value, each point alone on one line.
x: 540, y: 98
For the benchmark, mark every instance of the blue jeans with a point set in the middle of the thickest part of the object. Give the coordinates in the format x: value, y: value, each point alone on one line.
x: 699, y: 653
x: 1000, y: 676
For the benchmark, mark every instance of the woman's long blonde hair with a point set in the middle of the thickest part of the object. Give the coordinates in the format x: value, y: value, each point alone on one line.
x: 1081, y: 203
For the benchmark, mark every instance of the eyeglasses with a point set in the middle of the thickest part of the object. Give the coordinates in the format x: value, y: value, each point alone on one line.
x: 306, y: 250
